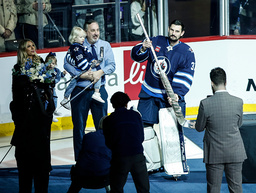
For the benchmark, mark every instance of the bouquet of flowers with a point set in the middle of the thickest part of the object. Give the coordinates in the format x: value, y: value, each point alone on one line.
x: 36, y: 71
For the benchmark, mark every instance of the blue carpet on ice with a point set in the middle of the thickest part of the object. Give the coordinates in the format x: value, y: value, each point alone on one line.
x: 194, y: 182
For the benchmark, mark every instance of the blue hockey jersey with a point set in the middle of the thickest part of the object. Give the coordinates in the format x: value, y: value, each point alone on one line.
x: 178, y: 63
x: 79, y: 56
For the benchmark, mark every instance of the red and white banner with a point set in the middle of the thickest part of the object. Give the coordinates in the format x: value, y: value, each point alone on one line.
x: 134, y: 74
x: 236, y: 56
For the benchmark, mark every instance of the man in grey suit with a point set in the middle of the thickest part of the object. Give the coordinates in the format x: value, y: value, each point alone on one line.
x: 221, y: 116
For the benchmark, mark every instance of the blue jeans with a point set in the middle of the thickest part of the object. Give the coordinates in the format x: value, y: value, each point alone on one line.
x: 80, y: 107
x: 70, y: 88
x: 73, y: 84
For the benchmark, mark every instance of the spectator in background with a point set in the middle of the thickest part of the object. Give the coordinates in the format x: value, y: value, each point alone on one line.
x: 234, y: 19
x: 149, y: 20
x: 248, y: 17
x: 8, y: 21
x: 28, y: 17
x: 97, y: 14
x: 243, y: 17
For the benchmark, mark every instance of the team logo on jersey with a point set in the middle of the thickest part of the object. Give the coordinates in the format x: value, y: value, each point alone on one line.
x: 157, y: 49
x: 169, y: 48
x: 164, y: 63
x: 190, y: 49
x: 76, y: 49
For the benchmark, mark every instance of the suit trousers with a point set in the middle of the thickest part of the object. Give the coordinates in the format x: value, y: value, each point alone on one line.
x: 120, y: 168
x: 233, y: 173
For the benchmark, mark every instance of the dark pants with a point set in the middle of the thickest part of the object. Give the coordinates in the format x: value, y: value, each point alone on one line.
x: 30, y: 168
x: 80, y: 107
x: 30, y: 32
x: 233, y: 173
x: 134, y: 37
x: 89, y: 182
x: 149, y: 108
x: 120, y: 168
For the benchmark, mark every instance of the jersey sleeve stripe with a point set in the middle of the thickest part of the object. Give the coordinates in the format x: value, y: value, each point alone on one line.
x: 186, y: 75
x: 179, y: 81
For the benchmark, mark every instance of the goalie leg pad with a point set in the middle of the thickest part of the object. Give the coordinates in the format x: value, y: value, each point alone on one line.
x: 151, y: 149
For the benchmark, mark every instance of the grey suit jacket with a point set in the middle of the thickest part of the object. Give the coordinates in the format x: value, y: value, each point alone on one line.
x: 221, y: 116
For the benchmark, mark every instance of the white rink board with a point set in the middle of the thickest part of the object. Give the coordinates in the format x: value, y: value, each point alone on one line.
x: 237, y: 57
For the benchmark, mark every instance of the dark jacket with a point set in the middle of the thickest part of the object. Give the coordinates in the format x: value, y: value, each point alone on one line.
x: 123, y: 131
x: 94, y: 158
x: 32, y: 109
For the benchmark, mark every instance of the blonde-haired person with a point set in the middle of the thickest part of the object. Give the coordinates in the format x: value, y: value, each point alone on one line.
x: 52, y: 60
x: 76, y: 31
x: 32, y: 110
x: 82, y: 59
x: 27, y: 49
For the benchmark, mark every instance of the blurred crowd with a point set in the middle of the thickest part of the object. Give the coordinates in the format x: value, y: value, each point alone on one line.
x: 23, y: 19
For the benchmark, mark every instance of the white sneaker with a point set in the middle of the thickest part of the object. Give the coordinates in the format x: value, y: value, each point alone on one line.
x: 65, y: 104
x: 54, y: 119
x: 56, y: 113
x: 96, y: 96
